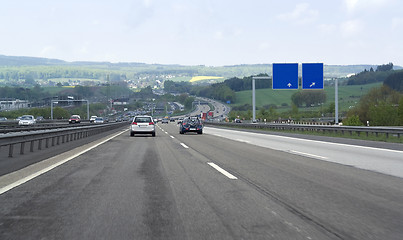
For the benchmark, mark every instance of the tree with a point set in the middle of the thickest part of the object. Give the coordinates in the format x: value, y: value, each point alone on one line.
x: 60, y: 113
x: 308, y: 98
x: 262, y: 114
x: 29, y: 80
x: 395, y: 81
x: 83, y: 91
x: 385, y: 67
x: 331, y: 108
x: 353, y: 121
x: 400, y: 111
x: 182, y: 98
x: 383, y: 114
x: 371, y: 76
x: 294, y: 109
x: 188, y: 102
x: 146, y: 92
x: 379, y: 106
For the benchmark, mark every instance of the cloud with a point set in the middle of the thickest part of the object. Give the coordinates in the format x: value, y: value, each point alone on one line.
x: 263, y: 46
x: 355, y: 5
x: 351, y: 5
x: 351, y: 28
x: 302, y: 14
x: 218, y: 35
x: 328, y: 29
x: 48, y: 51
x: 140, y: 12
x: 397, y: 23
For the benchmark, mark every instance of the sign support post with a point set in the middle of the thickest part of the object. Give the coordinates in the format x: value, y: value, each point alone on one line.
x: 336, y: 102
x: 254, y: 95
x: 253, y: 100
x: 53, y: 101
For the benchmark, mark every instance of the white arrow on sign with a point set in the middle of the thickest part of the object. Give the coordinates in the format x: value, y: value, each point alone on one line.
x: 289, y: 85
x: 313, y: 84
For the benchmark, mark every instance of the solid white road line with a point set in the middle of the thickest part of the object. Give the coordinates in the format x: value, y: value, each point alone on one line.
x: 225, y: 173
x: 184, y: 145
x: 300, y: 139
x: 241, y: 140
x: 307, y: 154
x: 47, y: 169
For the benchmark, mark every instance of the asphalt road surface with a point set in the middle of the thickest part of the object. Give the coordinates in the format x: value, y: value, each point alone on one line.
x: 193, y: 186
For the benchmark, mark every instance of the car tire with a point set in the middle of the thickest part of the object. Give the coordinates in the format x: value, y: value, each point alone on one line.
x: 131, y: 134
x: 153, y: 134
x: 200, y: 132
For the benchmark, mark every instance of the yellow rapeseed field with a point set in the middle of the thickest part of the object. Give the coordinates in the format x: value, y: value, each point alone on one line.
x: 201, y: 78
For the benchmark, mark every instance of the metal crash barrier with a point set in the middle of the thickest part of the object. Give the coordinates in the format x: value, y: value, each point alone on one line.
x: 48, y: 138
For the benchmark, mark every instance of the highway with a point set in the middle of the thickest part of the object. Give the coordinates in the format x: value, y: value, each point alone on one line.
x: 223, y: 184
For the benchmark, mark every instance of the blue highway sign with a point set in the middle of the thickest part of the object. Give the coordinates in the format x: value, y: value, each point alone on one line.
x: 312, y: 76
x: 285, y: 75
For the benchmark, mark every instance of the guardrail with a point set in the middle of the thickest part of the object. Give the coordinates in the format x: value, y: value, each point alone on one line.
x: 36, y: 127
x: 52, y: 137
x: 396, y: 131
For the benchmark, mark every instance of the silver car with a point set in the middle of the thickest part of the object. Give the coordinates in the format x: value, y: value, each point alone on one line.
x: 99, y: 120
x: 142, y: 124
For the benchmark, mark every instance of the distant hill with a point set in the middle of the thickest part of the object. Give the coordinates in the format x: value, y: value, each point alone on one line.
x: 28, y: 61
x: 200, y: 70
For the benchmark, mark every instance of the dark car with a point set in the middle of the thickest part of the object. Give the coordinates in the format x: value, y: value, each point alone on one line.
x: 237, y: 120
x: 180, y: 120
x: 191, y: 124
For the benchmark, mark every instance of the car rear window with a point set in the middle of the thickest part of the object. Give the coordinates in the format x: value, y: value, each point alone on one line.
x: 27, y: 118
x: 142, y: 119
x: 194, y: 120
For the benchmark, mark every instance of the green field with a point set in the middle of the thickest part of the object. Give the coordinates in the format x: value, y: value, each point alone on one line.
x: 349, y: 96
x: 63, y: 80
x: 54, y: 90
x: 181, y: 79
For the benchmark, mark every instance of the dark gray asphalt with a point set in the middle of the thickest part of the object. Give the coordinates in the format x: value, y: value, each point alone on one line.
x: 154, y: 188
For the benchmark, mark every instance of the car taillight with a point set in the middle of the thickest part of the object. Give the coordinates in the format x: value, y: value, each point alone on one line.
x: 151, y: 123
x: 134, y: 123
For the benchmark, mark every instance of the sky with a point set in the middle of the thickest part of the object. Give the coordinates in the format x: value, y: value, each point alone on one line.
x: 205, y: 32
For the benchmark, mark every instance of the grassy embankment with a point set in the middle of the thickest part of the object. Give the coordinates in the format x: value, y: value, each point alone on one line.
x: 349, y: 96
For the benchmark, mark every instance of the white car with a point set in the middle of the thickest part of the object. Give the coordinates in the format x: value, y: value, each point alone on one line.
x: 92, y: 119
x: 142, y: 125
x: 26, y: 120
